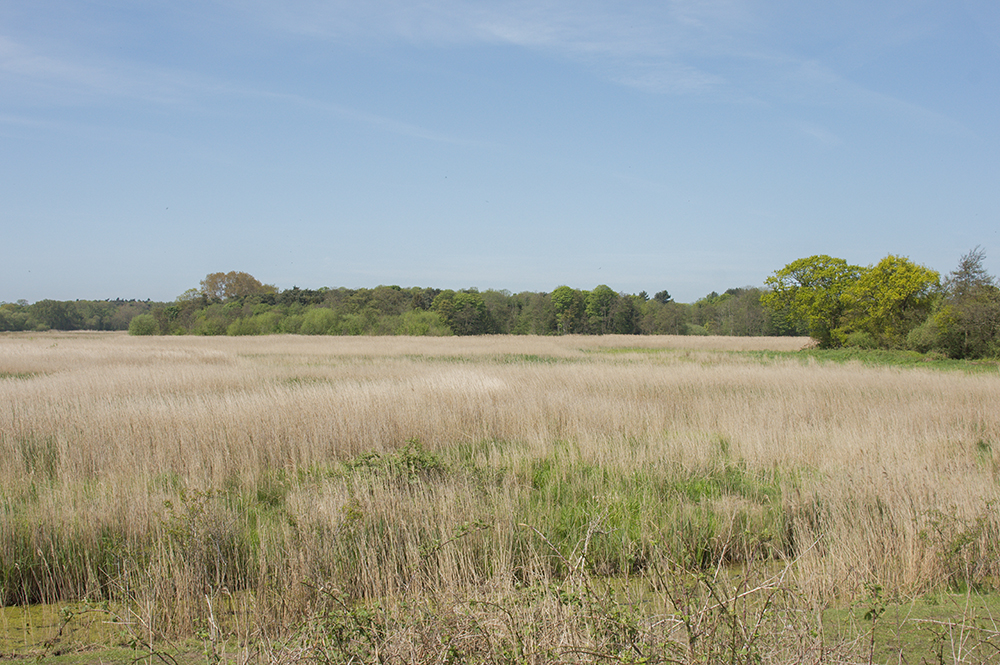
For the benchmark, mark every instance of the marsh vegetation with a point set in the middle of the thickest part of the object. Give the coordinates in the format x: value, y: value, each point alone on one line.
x: 499, y: 499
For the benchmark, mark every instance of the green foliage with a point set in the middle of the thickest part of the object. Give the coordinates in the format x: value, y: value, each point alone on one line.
x: 265, y: 323
x: 213, y: 320
x: 737, y: 312
x: 144, y: 324
x: 570, y: 308
x: 840, y: 304
x: 412, y: 463
x: 967, y: 325
x: 464, y: 312
x: 598, y: 306
x: 418, y: 322
x: 678, y: 512
x: 888, y: 300
x: 318, y: 321
x: 860, y: 340
x: 812, y: 291
x: 658, y: 318
x: 54, y: 315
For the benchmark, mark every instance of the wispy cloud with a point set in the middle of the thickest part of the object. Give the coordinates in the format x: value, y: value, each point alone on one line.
x: 22, y: 65
x: 821, y: 134
x: 729, y: 49
x: 726, y: 50
x: 812, y: 83
x: 30, y: 73
x: 36, y: 78
x: 391, y: 125
x: 627, y: 42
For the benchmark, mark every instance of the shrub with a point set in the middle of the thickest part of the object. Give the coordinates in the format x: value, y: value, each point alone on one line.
x: 291, y: 324
x: 860, y: 340
x: 420, y: 323
x: 924, y: 337
x: 319, y: 321
x: 143, y: 324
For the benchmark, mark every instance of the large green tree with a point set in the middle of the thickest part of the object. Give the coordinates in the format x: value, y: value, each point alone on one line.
x: 600, y: 305
x: 463, y: 311
x: 54, y: 315
x: 569, y: 304
x: 811, y: 292
x: 888, y: 300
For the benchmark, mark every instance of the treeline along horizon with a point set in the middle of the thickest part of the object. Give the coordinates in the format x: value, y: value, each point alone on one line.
x: 894, y: 304
x: 238, y: 304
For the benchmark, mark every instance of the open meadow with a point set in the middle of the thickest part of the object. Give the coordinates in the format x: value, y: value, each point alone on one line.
x: 497, y: 499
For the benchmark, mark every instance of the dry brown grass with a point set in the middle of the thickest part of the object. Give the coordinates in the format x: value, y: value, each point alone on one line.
x: 168, y: 446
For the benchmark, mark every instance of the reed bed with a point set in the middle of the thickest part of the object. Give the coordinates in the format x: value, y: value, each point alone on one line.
x: 271, y: 471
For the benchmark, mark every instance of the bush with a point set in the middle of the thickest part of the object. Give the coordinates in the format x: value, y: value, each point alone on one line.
x: 319, y: 321
x: 420, y: 323
x: 292, y: 324
x: 352, y: 324
x: 924, y: 337
x: 143, y: 324
x: 860, y: 340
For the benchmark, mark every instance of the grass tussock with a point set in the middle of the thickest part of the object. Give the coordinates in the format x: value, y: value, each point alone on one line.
x: 545, y: 498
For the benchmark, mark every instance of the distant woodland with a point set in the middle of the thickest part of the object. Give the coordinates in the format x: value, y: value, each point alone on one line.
x: 895, y: 304
x: 247, y: 307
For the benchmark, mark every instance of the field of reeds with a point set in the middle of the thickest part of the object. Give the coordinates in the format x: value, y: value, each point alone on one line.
x: 493, y: 499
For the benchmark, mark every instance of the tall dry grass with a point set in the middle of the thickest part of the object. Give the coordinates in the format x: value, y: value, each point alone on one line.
x: 165, y: 469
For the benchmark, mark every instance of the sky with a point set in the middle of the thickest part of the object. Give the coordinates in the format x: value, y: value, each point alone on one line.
x: 682, y: 145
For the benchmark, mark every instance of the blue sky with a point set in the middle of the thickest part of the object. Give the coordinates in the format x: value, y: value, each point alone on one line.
x: 693, y: 145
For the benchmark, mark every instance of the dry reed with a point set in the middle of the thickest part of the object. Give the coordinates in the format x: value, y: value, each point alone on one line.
x: 169, y: 468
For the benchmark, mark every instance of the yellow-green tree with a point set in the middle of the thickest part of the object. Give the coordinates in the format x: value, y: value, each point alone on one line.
x: 888, y: 300
x: 810, y: 292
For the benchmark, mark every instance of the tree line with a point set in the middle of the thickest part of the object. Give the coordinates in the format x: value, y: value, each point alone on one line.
x: 241, y: 305
x: 894, y: 304
x: 72, y: 315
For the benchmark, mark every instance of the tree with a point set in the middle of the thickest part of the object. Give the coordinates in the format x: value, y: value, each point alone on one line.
x: 569, y: 306
x: 888, y: 300
x: 662, y: 297
x: 318, y: 321
x: 143, y: 324
x: 968, y: 323
x: 599, y: 305
x: 463, y: 311
x: 663, y: 318
x: 625, y: 315
x: 811, y: 292
x: 536, y: 316
x: 54, y: 315
x: 969, y: 276
x: 219, y: 286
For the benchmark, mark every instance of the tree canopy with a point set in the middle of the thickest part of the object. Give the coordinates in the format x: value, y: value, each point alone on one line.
x: 219, y: 286
x: 841, y: 304
x: 894, y: 303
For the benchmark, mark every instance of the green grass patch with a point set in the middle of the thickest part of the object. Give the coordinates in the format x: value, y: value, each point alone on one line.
x: 526, y: 358
x: 936, y: 628
x: 622, y: 517
x: 876, y: 358
x: 18, y: 375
